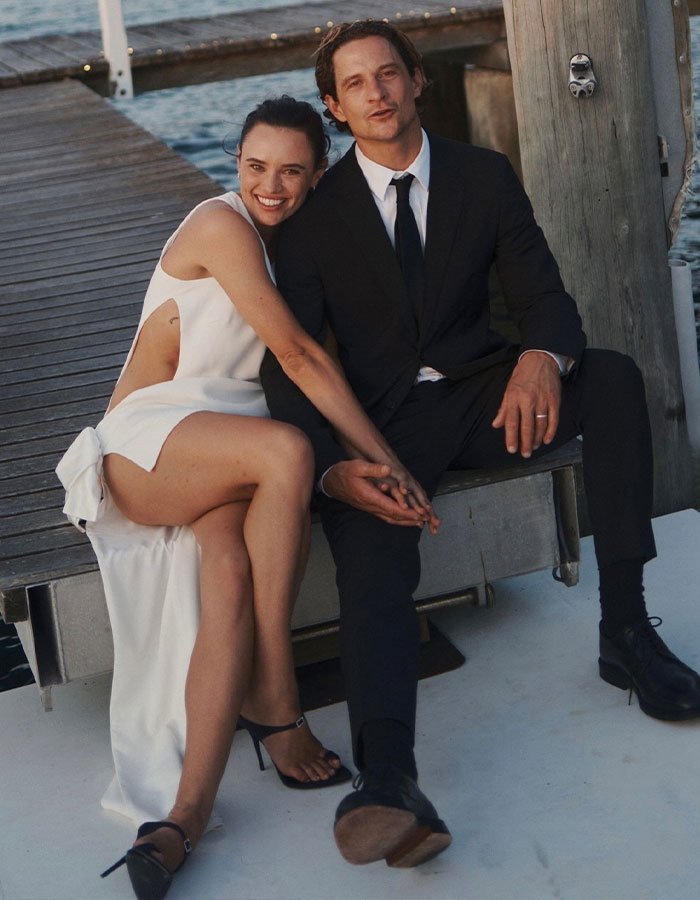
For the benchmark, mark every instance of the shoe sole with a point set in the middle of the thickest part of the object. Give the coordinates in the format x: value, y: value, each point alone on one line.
x: 371, y: 833
x: 618, y: 678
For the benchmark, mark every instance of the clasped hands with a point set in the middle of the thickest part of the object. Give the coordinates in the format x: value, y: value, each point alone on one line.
x: 529, y: 415
x: 387, y: 491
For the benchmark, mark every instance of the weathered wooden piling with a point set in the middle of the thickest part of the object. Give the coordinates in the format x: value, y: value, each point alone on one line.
x: 591, y: 166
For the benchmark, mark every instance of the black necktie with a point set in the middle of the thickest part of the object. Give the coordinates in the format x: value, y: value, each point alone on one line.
x: 408, y: 245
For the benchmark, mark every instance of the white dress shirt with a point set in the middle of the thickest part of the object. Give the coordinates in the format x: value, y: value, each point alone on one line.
x: 379, y: 178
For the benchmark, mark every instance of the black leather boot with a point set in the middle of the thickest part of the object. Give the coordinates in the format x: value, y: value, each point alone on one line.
x: 636, y: 658
x: 388, y: 817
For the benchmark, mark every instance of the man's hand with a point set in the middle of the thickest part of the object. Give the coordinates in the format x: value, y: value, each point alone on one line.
x: 352, y: 481
x: 530, y: 408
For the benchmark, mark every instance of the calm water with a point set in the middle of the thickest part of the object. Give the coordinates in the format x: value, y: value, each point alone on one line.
x: 195, y: 120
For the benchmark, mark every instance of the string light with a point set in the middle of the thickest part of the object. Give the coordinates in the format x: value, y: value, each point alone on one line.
x: 275, y: 36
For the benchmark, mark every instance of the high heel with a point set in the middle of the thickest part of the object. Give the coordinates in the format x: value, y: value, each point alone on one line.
x: 149, y: 878
x: 258, y: 733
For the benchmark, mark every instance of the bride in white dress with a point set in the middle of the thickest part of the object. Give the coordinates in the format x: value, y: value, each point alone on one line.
x: 196, y: 503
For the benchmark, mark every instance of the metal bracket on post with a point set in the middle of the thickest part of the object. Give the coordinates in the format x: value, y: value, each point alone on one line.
x: 116, y: 48
x: 582, y: 81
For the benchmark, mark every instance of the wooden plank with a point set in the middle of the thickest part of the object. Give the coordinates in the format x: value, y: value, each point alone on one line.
x: 18, y: 424
x: 97, y: 382
x: 25, y: 523
x: 79, y: 237
x: 40, y: 336
x: 65, y: 351
x: 95, y: 221
x: 181, y: 51
x: 39, y: 568
x: 48, y: 391
x: 31, y: 465
x: 80, y: 48
x: 52, y: 497
x: 141, y: 261
x: 26, y: 449
x: 44, y: 53
x: 22, y: 305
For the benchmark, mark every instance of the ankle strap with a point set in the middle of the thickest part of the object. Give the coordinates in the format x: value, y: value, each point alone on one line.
x: 149, y: 827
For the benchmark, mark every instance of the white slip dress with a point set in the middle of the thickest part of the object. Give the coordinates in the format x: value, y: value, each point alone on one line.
x: 151, y: 573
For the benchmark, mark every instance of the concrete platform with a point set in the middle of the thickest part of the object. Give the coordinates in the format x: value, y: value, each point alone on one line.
x: 553, y: 786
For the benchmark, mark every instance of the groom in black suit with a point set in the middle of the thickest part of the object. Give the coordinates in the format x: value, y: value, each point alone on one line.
x: 393, y: 253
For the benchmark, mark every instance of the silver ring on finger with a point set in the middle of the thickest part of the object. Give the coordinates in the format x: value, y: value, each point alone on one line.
x: 542, y: 416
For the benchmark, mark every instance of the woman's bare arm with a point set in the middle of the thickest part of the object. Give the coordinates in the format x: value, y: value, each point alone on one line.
x: 223, y: 244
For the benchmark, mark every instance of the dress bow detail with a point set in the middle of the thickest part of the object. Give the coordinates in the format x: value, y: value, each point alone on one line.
x: 80, y: 473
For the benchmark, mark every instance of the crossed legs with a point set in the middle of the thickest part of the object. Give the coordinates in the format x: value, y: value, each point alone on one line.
x: 243, y: 484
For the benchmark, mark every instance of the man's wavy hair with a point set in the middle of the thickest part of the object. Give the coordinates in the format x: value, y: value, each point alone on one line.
x: 353, y: 31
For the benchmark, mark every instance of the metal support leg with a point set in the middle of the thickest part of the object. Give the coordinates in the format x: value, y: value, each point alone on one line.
x: 116, y: 48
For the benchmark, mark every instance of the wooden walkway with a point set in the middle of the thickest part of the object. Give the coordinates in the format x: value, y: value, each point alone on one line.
x: 88, y: 199
x: 189, y: 51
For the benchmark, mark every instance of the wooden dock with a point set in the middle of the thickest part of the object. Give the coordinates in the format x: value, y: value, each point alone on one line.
x: 255, y: 42
x: 88, y: 200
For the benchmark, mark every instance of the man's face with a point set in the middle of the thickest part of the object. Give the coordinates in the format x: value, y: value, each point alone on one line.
x: 376, y: 94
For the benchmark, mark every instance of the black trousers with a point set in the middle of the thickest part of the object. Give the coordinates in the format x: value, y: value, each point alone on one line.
x: 447, y: 425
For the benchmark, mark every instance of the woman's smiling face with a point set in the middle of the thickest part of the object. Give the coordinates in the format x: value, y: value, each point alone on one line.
x: 276, y: 170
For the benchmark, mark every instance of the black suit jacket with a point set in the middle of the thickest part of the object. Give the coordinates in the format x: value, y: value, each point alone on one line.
x: 336, y: 266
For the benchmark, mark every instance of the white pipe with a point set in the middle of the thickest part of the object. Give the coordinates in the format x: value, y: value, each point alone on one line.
x: 684, y: 314
x: 116, y: 47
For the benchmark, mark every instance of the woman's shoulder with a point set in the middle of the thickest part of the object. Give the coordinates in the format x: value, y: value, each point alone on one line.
x: 225, y: 212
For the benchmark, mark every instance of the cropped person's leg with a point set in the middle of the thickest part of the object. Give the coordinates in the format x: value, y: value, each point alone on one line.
x: 387, y: 817
x: 605, y: 402
x: 377, y: 570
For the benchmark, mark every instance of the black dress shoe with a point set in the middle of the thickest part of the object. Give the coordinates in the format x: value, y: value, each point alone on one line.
x: 388, y: 817
x: 635, y: 657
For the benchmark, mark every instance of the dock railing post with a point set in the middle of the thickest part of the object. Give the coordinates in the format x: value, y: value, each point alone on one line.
x: 591, y: 166
x: 116, y: 48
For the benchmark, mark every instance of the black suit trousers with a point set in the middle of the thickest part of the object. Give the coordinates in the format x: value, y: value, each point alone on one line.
x: 447, y: 425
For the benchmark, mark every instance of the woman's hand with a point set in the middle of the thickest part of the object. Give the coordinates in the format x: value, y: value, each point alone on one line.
x: 396, y: 482
x: 409, y: 494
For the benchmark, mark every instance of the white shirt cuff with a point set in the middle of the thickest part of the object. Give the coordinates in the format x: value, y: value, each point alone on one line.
x: 564, y: 362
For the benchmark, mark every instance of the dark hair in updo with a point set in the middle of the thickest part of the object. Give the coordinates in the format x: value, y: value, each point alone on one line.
x: 286, y: 112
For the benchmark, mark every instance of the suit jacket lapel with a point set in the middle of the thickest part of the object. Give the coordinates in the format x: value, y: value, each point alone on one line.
x: 362, y: 224
x: 445, y: 204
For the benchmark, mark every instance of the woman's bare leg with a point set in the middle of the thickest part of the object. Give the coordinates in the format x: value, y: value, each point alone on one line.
x: 209, y: 467
x: 218, y: 674
x: 273, y: 698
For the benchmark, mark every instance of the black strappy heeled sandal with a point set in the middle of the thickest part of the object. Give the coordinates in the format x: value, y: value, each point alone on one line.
x: 258, y: 733
x: 149, y: 878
